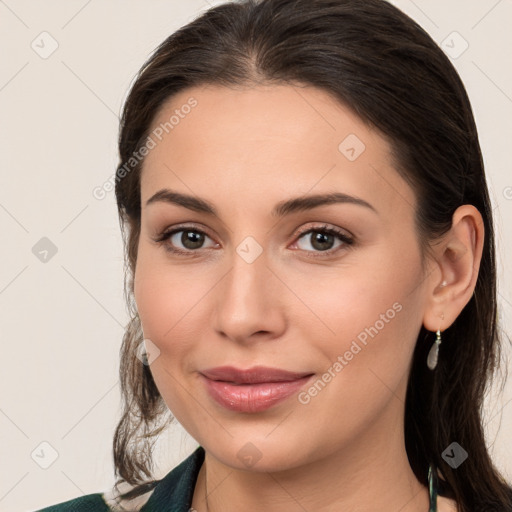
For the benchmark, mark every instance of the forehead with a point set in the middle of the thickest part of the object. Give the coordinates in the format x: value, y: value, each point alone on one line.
x: 269, y: 140
x: 288, y: 113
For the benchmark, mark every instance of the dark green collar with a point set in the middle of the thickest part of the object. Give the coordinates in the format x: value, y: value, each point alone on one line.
x: 175, y: 491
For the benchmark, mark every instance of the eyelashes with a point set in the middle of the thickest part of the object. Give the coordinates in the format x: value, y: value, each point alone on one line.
x: 324, y: 233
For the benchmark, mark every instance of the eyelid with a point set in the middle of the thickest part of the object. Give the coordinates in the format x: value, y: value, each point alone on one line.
x: 163, y: 236
x: 324, y: 227
x: 183, y: 227
x: 347, y: 239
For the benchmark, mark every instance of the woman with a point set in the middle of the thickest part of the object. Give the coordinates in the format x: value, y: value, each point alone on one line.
x: 311, y: 268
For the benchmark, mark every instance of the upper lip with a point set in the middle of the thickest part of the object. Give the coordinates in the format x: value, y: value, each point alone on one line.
x: 255, y: 375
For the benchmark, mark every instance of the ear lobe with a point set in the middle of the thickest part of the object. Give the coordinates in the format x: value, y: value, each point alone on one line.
x: 458, y: 259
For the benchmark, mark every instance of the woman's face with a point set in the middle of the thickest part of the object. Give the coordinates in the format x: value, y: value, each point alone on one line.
x: 256, y: 284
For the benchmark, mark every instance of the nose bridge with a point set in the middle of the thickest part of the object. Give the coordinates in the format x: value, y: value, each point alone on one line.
x: 246, y: 303
x: 245, y: 283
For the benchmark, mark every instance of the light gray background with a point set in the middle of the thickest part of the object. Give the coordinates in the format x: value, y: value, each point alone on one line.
x: 62, y: 320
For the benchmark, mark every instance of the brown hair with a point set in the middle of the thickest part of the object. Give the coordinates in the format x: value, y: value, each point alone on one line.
x: 379, y: 62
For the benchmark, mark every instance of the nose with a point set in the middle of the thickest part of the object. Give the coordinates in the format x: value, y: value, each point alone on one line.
x: 249, y: 302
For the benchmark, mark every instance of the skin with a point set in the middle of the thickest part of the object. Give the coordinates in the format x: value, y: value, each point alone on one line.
x: 244, y: 150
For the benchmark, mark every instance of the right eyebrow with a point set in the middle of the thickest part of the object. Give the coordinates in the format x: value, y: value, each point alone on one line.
x: 192, y: 203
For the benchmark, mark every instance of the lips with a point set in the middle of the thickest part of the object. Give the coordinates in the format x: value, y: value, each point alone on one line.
x: 252, y: 390
x: 255, y: 375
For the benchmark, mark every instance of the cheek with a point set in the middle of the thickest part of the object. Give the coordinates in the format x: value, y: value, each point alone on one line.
x: 374, y: 319
x: 161, y: 295
x: 165, y: 309
x: 172, y: 303
x: 369, y: 313
x: 152, y: 298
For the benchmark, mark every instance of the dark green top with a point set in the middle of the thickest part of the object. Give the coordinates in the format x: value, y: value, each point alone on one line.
x: 174, y: 492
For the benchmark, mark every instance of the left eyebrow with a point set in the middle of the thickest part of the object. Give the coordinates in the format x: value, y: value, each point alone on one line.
x: 309, y: 202
x: 281, y: 209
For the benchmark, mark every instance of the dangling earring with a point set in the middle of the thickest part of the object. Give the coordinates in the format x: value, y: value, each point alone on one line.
x: 434, y: 351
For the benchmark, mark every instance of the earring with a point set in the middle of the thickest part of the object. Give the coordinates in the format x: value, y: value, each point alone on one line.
x: 144, y: 355
x: 434, y: 351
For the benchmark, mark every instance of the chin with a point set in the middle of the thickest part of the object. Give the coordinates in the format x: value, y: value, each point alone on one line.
x: 258, y: 452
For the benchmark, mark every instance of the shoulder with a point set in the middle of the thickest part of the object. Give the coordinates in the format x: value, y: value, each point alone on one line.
x: 174, y: 489
x: 88, y: 503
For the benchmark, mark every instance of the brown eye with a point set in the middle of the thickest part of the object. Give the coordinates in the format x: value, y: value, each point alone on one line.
x: 323, y: 239
x: 191, y: 239
x: 183, y: 240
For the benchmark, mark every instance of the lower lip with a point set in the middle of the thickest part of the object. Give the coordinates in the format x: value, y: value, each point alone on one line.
x: 252, y: 397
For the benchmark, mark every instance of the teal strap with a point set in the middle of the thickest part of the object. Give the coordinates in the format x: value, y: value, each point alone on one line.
x: 432, y: 488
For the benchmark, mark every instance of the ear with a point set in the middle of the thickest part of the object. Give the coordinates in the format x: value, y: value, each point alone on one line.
x: 452, y: 279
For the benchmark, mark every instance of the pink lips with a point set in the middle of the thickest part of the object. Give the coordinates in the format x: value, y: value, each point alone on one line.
x: 252, y: 390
